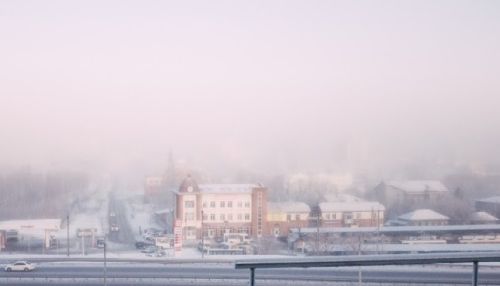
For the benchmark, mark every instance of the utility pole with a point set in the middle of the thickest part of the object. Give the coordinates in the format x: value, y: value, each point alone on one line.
x: 317, y: 233
x: 105, y: 266
x: 83, y: 244
x: 360, y: 279
x: 378, y: 231
x: 44, y: 242
x: 67, y: 232
x: 202, y: 238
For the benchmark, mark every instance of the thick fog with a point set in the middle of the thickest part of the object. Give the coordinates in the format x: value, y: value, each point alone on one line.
x: 368, y: 87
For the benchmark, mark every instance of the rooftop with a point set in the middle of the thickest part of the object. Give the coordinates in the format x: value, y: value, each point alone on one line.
x: 422, y: 214
x: 483, y: 216
x: 351, y: 206
x: 495, y: 199
x: 288, y: 207
x: 418, y: 186
x: 227, y: 188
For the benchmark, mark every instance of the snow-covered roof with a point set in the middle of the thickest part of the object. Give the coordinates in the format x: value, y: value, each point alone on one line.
x: 288, y: 207
x: 483, y: 216
x: 40, y: 224
x: 351, y: 206
x: 469, y: 228
x: 422, y: 214
x: 418, y: 186
x: 495, y: 199
x: 227, y: 188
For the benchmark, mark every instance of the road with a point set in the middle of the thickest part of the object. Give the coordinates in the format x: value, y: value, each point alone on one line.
x: 441, y: 276
x: 125, y: 234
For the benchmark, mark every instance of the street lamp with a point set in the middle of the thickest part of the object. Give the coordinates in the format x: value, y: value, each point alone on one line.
x: 105, y: 266
x: 67, y: 232
x: 202, y: 237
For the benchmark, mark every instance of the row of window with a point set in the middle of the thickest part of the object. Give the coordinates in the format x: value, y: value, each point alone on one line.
x: 229, y: 204
x: 222, y: 204
x: 346, y: 216
x: 229, y: 217
x: 212, y: 232
x: 222, y: 217
x: 350, y: 215
x: 290, y: 217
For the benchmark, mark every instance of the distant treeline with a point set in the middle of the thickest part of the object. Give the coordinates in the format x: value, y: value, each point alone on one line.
x: 25, y: 194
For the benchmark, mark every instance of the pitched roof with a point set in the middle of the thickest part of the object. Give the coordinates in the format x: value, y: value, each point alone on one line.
x: 288, y: 207
x: 227, y: 188
x: 495, y: 199
x: 483, y: 216
x: 422, y: 214
x: 351, y: 206
x: 418, y: 186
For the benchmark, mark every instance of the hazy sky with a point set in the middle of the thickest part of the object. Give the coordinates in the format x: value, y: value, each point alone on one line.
x: 266, y: 86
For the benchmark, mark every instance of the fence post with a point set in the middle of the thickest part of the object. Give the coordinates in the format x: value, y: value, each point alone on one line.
x: 252, y: 276
x: 474, y: 278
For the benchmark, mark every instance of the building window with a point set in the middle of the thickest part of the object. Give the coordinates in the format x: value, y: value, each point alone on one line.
x: 230, y: 217
x: 205, y: 217
x: 204, y: 204
x: 189, y: 216
x: 191, y: 233
x: 222, y: 217
x: 358, y: 215
x: 247, y: 204
x: 212, y: 216
x: 189, y: 204
x: 334, y: 216
x: 240, y: 216
x: 328, y: 216
x: 212, y: 204
x: 230, y: 204
x: 247, y: 216
x: 240, y: 204
x: 222, y: 204
x: 297, y: 217
x: 288, y: 217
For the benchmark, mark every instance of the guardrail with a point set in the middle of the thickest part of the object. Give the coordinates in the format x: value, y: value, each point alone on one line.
x: 157, y: 260
x: 372, y: 260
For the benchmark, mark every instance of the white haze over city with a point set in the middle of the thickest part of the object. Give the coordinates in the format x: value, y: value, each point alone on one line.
x: 266, y: 86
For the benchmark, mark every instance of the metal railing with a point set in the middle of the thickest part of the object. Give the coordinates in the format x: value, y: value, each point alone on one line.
x: 372, y: 260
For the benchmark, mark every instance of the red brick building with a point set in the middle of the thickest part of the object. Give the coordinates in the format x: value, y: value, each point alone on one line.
x: 282, y: 216
x: 351, y: 214
x: 217, y: 209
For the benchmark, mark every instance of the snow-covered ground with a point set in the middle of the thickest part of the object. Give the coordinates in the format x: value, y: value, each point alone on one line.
x: 140, y: 215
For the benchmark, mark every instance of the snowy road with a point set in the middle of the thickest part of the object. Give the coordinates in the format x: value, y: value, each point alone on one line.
x: 186, y: 273
x: 125, y: 234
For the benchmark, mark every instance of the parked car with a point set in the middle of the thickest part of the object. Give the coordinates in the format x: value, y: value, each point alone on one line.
x: 149, y: 249
x: 20, y: 266
x: 100, y: 243
x: 158, y: 253
x: 142, y: 244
